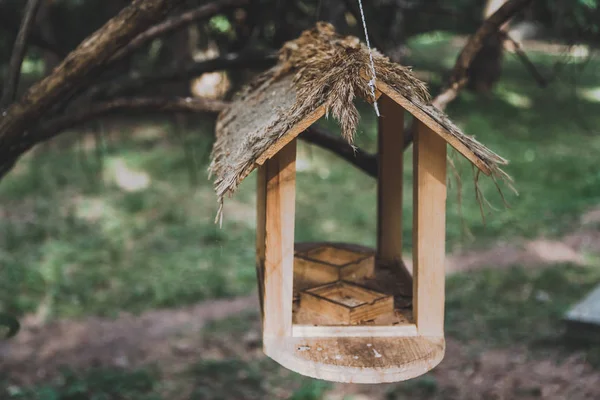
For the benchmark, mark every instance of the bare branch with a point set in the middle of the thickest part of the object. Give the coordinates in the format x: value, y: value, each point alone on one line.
x: 53, y: 127
x: 177, y: 22
x: 518, y: 49
x: 359, y: 158
x: 13, y: 75
x: 86, y: 60
x: 122, y: 86
x: 36, y: 39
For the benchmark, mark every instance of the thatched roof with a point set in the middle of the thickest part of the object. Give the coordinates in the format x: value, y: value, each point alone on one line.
x: 320, y: 73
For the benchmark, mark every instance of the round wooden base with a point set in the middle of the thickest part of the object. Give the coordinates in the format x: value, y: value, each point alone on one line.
x: 357, y: 360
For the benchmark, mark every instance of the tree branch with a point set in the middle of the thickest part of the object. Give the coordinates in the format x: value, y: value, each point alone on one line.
x: 11, y: 82
x: 459, y: 77
x: 122, y: 86
x: 359, y: 158
x: 490, y: 26
x: 518, y: 49
x: 177, y: 22
x: 55, y: 126
x: 51, y: 128
x: 87, y: 59
x: 36, y: 39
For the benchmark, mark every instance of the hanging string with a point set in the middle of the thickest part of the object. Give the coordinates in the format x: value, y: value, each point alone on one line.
x: 318, y: 13
x: 372, y: 84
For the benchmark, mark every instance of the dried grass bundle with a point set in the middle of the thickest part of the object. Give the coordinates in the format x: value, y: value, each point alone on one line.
x: 319, y: 69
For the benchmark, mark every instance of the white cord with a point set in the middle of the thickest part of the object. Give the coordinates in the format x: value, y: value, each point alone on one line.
x: 372, y: 84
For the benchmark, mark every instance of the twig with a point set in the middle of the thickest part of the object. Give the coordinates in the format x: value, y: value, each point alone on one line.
x: 177, y: 22
x: 14, y: 68
x: 36, y: 39
x: 518, y: 49
x: 359, y: 158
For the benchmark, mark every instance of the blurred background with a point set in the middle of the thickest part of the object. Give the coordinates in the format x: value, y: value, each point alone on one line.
x: 126, y: 289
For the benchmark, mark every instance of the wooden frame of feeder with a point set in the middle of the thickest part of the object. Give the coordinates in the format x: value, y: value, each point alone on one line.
x: 259, y: 130
x: 283, y: 341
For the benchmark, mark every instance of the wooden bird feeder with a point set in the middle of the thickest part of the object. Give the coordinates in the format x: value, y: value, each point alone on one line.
x: 343, y: 312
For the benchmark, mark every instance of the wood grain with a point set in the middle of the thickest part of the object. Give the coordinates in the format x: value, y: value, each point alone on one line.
x: 279, y: 242
x: 402, y: 330
x: 358, y: 360
x: 389, y: 185
x: 261, y: 213
x: 429, y: 231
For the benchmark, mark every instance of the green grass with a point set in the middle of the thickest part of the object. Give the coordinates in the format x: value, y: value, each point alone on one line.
x: 515, y: 306
x: 96, y: 384
x: 73, y: 241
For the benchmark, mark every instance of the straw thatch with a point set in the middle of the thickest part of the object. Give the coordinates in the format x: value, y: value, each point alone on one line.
x: 319, y: 69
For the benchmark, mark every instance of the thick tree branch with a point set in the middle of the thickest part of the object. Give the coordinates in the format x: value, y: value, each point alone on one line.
x: 490, y: 26
x: 459, y: 76
x: 127, y: 85
x: 359, y: 158
x: 177, y: 22
x: 11, y: 83
x: 51, y: 128
x: 86, y: 60
x: 57, y: 125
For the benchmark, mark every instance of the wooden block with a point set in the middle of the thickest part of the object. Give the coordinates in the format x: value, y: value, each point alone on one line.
x: 346, y: 302
x: 327, y: 264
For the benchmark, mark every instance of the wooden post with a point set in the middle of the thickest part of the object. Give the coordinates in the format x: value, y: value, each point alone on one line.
x: 389, y: 184
x: 389, y: 192
x: 280, y: 196
x: 429, y: 231
x: 261, y: 212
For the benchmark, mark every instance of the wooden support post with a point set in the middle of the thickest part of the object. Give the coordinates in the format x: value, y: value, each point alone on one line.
x: 389, y: 187
x: 261, y: 212
x: 389, y: 192
x: 429, y: 231
x: 280, y: 197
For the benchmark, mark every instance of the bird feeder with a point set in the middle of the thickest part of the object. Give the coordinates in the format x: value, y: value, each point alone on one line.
x: 344, y: 312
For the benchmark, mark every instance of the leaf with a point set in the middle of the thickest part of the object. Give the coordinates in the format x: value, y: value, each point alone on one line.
x: 10, y: 325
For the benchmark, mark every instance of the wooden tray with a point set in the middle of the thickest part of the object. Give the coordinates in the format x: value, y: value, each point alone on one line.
x: 327, y: 264
x: 346, y: 302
